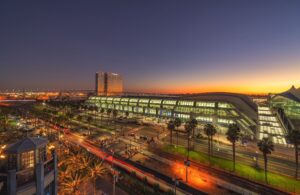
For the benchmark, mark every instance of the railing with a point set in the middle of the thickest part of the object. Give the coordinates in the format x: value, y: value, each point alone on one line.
x: 25, y: 177
x: 284, y: 119
x: 48, y: 166
x: 3, y: 184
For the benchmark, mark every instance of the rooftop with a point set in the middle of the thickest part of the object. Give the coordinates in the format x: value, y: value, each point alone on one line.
x: 26, y: 144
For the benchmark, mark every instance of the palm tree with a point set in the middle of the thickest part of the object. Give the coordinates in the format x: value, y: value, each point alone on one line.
x: 102, y: 111
x: 115, y: 114
x: 126, y: 114
x: 79, y: 118
x: 95, y: 109
x: 171, y: 127
x: 210, y: 131
x: 266, y: 146
x: 293, y: 137
x: 95, y: 170
x: 194, y: 124
x: 177, y: 123
x: 233, y: 135
x: 89, y: 120
x: 108, y: 112
x: 72, y: 182
x: 188, y: 129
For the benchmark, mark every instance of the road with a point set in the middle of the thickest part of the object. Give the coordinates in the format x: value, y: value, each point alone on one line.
x: 244, y: 156
x: 164, y: 182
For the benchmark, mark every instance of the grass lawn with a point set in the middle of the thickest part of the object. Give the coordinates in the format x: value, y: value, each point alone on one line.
x: 279, y: 181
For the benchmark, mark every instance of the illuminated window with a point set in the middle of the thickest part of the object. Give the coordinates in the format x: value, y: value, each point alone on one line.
x: 145, y: 101
x: 182, y: 116
x: 184, y: 109
x: 204, y: 119
x: 128, y: 108
x: 205, y: 104
x: 169, y: 102
x: 124, y: 101
x: 204, y: 111
x: 155, y: 101
x: 150, y: 111
x: 225, y: 121
x: 186, y: 103
x: 116, y: 100
x: 27, y: 159
x: 224, y: 105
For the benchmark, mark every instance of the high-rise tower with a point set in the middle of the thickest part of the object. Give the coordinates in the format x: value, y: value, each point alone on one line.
x: 108, y: 83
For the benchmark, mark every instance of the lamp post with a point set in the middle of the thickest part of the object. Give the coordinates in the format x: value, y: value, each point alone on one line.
x: 115, y: 179
x: 114, y: 172
x: 176, y: 182
x: 256, y: 152
x: 186, y: 164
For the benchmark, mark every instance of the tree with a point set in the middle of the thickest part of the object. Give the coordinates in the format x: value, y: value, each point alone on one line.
x: 233, y: 135
x: 89, y: 120
x: 115, y: 114
x: 177, y: 123
x: 188, y: 129
x: 171, y: 127
x: 102, y: 110
x: 79, y: 117
x: 72, y: 182
x: 266, y: 146
x: 194, y: 124
x: 210, y: 131
x: 126, y: 114
x: 95, y: 170
x: 293, y: 137
x: 108, y: 112
x: 95, y: 109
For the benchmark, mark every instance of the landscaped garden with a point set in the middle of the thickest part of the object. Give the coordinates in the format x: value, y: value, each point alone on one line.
x: 276, y: 180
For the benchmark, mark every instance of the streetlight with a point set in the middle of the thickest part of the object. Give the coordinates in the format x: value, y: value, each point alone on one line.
x: 115, y: 174
x: 115, y: 179
x: 256, y: 152
x: 187, y: 163
x: 176, y: 182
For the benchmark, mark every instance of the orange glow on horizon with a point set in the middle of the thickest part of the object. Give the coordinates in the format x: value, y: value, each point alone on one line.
x: 244, y: 89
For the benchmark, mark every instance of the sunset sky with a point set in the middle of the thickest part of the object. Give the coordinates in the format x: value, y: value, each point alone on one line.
x: 165, y: 46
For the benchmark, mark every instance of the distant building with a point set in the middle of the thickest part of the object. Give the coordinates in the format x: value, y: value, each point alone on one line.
x: 220, y: 109
x: 289, y: 101
x: 109, y: 83
x: 28, y: 169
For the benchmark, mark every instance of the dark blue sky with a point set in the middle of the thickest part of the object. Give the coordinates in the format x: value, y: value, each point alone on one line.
x: 184, y: 46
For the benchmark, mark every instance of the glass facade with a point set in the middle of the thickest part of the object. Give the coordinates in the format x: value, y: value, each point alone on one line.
x: 27, y: 159
x: 223, y: 112
x: 291, y: 108
x: 108, y: 83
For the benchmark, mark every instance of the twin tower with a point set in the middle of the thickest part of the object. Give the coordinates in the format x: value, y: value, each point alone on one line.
x: 109, y: 84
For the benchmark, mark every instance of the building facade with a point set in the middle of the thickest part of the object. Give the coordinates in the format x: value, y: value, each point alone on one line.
x: 28, y: 169
x: 289, y: 101
x: 108, y: 84
x: 217, y: 108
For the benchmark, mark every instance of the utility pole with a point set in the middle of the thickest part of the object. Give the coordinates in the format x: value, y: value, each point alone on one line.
x: 176, y: 182
x: 186, y: 164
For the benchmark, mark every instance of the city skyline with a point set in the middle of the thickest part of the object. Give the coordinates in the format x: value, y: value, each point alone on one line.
x: 162, y: 47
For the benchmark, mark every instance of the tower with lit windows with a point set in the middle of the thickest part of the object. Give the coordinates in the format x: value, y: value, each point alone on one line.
x: 28, y: 169
x: 108, y: 83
